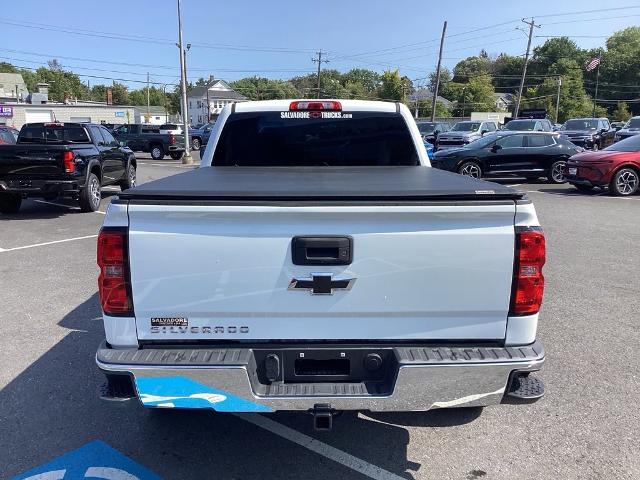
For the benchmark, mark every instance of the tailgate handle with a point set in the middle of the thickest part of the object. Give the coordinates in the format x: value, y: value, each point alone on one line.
x: 324, y: 250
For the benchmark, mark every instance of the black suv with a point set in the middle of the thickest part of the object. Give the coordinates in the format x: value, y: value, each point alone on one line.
x: 590, y: 133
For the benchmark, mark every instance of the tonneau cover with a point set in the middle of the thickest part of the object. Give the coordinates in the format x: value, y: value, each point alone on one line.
x: 411, y: 183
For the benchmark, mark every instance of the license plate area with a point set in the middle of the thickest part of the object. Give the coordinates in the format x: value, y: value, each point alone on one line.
x: 328, y: 365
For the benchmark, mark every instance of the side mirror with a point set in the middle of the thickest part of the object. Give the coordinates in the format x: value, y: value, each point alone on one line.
x: 483, y: 132
x: 495, y: 148
x: 604, y: 130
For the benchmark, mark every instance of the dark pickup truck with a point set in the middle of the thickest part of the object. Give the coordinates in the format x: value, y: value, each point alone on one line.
x: 69, y: 160
x: 143, y: 138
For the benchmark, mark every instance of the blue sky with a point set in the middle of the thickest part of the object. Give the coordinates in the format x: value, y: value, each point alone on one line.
x: 233, y: 39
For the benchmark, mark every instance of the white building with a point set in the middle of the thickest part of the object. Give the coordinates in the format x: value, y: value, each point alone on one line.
x: 12, y: 87
x: 206, y: 101
x: 153, y: 115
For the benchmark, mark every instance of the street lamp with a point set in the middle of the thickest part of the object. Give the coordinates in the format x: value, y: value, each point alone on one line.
x: 186, y: 159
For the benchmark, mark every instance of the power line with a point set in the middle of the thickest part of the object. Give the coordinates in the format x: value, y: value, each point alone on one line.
x: 143, y: 39
x: 589, y: 20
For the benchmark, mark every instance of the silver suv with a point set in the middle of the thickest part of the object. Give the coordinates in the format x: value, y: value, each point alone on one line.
x: 463, y: 133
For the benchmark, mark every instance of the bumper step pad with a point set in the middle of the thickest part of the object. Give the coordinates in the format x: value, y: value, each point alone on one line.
x: 117, y: 388
x: 525, y: 388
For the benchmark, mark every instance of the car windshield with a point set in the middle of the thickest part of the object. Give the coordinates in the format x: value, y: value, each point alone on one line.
x: 631, y: 144
x: 298, y: 138
x: 426, y: 127
x: 634, y: 123
x: 581, y: 124
x: 526, y: 125
x: 465, y: 126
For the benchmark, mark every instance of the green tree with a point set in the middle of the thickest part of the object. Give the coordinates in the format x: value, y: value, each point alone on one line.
x: 6, y: 67
x: 472, y: 67
x: 445, y: 79
x: 62, y: 83
x: 368, y: 79
x: 260, y: 88
x: 424, y: 109
x: 621, y: 112
x: 392, y: 87
x: 574, y: 101
x: 476, y: 95
x: 139, y: 97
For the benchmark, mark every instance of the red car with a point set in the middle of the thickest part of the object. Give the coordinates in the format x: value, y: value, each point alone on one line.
x: 616, y: 167
x: 8, y: 135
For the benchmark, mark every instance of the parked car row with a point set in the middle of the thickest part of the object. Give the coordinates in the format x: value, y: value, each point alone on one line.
x: 527, y: 154
x: 550, y: 155
x: 63, y: 160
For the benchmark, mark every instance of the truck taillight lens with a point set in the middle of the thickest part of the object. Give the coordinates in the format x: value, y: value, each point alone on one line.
x: 68, y: 159
x: 113, y: 283
x: 528, y: 281
x: 172, y: 139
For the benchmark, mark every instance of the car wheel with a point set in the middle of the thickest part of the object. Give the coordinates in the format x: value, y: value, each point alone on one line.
x: 584, y: 188
x: 10, y: 203
x: 130, y: 181
x: 176, y: 155
x: 196, y: 143
x: 91, y: 194
x: 157, y: 152
x: 470, y: 169
x: 556, y: 172
x: 624, y: 182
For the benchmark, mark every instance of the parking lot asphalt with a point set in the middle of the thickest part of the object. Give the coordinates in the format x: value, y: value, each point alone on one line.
x: 585, y: 427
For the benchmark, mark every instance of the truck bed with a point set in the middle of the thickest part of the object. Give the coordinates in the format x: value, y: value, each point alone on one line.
x: 354, y: 184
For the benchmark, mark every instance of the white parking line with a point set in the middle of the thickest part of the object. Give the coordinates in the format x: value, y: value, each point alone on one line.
x: 327, y: 451
x: 2, y: 250
x: 66, y: 206
x: 57, y: 204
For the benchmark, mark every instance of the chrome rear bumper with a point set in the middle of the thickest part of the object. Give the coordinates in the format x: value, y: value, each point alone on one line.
x: 423, y: 377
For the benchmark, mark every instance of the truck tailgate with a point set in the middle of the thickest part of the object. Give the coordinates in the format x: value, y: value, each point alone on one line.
x: 31, y: 160
x: 440, y: 272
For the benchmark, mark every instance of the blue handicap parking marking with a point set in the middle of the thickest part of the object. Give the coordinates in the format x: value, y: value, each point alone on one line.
x: 182, y: 392
x: 95, y: 460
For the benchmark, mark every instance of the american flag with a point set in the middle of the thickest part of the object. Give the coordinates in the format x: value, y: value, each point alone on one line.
x: 593, y: 63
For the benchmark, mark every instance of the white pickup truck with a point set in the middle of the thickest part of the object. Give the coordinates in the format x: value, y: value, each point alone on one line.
x: 316, y: 262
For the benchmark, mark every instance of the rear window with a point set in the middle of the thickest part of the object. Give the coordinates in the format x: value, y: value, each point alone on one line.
x: 58, y: 133
x: 521, y: 125
x: 631, y: 144
x: 354, y: 139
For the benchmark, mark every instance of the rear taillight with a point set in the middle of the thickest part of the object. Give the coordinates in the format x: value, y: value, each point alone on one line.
x: 528, y: 281
x: 172, y: 139
x: 113, y: 283
x: 68, y: 159
x: 328, y: 105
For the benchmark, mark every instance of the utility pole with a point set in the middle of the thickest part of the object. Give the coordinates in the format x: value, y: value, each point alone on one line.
x: 595, y: 96
x: 558, y: 97
x: 186, y: 159
x: 435, y: 92
x: 464, y: 101
x: 320, y: 61
x: 531, y: 24
x: 148, y: 107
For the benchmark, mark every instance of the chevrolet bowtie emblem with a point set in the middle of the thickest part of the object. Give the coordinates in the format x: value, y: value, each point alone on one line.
x: 321, y: 284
